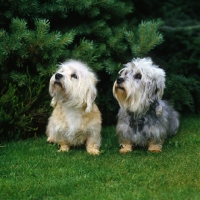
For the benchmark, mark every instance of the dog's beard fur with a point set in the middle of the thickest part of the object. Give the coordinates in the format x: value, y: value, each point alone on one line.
x: 141, y: 86
x: 75, y: 119
x: 143, y: 119
x: 129, y: 99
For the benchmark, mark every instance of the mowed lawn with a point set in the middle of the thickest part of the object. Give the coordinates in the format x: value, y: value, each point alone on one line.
x: 33, y: 169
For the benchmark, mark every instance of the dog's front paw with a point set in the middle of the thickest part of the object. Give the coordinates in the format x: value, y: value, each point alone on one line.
x: 63, y: 148
x: 93, y: 151
x: 155, y: 148
x: 125, y: 148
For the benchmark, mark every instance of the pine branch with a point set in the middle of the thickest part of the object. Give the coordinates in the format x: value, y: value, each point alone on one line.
x: 146, y: 38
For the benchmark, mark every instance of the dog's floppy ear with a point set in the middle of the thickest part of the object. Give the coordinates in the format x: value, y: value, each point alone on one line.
x: 156, y: 89
x: 51, y: 89
x: 160, y: 86
x: 91, y: 93
x: 51, y: 92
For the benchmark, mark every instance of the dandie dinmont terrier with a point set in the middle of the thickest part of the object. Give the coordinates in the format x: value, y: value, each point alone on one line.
x: 143, y: 118
x: 75, y: 119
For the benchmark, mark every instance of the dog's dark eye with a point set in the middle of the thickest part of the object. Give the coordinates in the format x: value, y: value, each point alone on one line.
x: 138, y: 76
x: 74, y: 76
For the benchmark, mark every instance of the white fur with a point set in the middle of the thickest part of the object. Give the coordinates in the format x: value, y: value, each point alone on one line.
x: 78, y: 92
x: 75, y: 119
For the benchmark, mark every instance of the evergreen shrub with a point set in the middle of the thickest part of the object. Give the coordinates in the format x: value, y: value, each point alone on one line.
x: 179, y: 54
x: 35, y: 36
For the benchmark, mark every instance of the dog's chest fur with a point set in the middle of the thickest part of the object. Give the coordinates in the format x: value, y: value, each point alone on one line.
x: 137, y: 123
x: 149, y: 126
x: 140, y: 129
x: 73, y: 124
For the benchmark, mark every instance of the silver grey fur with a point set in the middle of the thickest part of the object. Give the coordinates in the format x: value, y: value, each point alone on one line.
x: 144, y: 118
x: 154, y: 128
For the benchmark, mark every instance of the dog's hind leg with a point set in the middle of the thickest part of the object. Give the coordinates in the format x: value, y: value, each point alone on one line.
x: 50, y: 140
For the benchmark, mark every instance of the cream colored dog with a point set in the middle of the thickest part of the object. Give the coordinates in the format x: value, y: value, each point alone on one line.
x: 75, y: 119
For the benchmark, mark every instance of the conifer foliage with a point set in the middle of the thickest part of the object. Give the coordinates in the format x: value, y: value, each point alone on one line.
x: 179, y: 54
x: 36, y: 35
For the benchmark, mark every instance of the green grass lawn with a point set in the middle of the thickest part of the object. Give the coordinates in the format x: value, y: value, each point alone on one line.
x: 33, y: 169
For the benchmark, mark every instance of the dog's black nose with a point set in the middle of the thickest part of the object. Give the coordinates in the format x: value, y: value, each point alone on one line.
x: 120, y: 80
x: 58, y: 76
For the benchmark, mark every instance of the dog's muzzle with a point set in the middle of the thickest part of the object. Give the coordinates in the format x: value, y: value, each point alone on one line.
x: 57, y: 79
x: 58, y: 76
x: 120, y: 80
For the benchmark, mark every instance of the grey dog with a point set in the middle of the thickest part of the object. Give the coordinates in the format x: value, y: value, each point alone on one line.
x: 144, y: 119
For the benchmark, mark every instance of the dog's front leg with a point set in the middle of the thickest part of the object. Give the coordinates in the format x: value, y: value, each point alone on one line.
x: 93, y: 144
x: 64, y: 146
x: 126, y: 146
